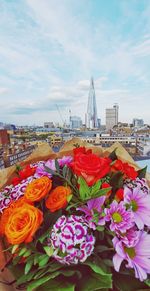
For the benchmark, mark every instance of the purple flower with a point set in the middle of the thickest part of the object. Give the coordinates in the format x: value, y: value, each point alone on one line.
x: 71, y: 240
x: 41, y: 171
x: 137, y: 257
x: 120, y: 218
x: 93, y: 212
x: 139, y: 203
x: 130, y: 238
x: 66, y: 160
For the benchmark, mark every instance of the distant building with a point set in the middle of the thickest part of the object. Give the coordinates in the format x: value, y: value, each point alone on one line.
x: 49, y: 124
x: 112, y: 117
x: 4, y: 137
x: 91, y: 115
x: 75, y: 122
x: 143, y: 146
x: 98, y: 122
x: 138, y: 122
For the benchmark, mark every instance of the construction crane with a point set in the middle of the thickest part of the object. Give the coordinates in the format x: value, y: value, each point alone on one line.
x: 63, y: 121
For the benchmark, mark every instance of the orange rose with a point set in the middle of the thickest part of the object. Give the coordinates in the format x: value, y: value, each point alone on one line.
x: 38, y: 189
x: 58, y: 198
x: 22, y: 224
x: 7, y: 212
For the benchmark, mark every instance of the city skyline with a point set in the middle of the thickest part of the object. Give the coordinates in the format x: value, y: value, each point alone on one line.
x: 50, y: 49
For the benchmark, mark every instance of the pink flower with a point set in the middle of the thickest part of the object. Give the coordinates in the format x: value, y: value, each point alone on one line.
x: 139, y: 203
x: 137, y: 257
x: 93, y: 211
x: 120, y: 218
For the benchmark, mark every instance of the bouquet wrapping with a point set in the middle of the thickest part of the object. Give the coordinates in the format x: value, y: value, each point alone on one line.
x: 75, y: 220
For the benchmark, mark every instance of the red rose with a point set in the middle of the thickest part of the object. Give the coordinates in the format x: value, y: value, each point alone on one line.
x: 125, y: 168
x: 117, y: 166
x: 82, y: 150
x: 119, y: 194
x: 90, y: 167
x: 130, y: 172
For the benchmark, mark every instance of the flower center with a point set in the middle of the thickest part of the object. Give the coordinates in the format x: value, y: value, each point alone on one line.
x: 117, y: 217
x: 131, y: 252
x: 134, y: 205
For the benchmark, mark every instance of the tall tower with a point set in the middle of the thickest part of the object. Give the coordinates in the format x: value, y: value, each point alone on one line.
x: 91, y: 116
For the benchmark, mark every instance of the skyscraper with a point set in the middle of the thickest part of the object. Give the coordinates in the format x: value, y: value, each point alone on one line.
x: 112, y: 116
x: 91, y: 115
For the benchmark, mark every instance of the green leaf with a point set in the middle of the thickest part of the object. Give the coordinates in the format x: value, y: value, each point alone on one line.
x: 48, y: 170
x: 98, y: 267
x: 102, y: 248
x: 26, y: 278
x: 84, y: 190
x: 69, y: 198
x: 95, y: 282
x: 57, y: 285
x: 27, y: 253
x: 142, y: 172
x: 127, y: 282
x: 57, y: 166
x: 96, y: 187
x: 64, y: 171
x: 100, y: 228
x: 49, y: 250
x: 147, y: 282
x: 116, y: 180
x: 113, y: 155
x: 22, y: 251
x: 101, y: 192
x: 41, y: 281
x: 14, y: 248
x: 28, y: 267
x: 43, y: 259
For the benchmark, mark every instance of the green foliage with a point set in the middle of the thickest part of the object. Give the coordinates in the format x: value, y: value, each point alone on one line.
x: 39, y: 282
x: 125, y: 282
x: 116, y: 181
x: 113, y: 155
x: 87, y: 192
x: 142, y: 172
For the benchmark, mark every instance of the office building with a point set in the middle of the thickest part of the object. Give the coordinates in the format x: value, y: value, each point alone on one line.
x: 112, y: 116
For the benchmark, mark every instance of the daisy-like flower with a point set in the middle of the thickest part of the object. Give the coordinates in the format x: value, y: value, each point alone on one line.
x: 130, y: 238
x: 137, y: 257
x: 93, y: 211
x: 120, y: 218
x: 139, y: 203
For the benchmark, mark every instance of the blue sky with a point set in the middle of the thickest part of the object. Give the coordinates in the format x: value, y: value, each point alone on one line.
x: 49, y: 50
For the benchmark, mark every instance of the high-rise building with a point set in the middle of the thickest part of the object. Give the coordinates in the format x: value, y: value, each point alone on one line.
x: 138, y: 122
x: 112, y: 116
x: 75, y: 122
x: 91, y: 115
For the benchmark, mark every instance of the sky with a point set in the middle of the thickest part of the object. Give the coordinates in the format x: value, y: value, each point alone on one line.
x: 49, y: 50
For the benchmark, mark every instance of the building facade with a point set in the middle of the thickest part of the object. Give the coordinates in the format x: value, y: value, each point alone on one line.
x: 112, y: 116
x: 75, y: 122
x: 138, y: 122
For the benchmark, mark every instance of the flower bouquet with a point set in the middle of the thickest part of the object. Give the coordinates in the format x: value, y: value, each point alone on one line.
x: 79, y: 220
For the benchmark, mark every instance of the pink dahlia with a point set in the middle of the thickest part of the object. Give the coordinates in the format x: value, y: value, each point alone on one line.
x: 120, y: 218
x: 137, y: 257
x: 139, y: 203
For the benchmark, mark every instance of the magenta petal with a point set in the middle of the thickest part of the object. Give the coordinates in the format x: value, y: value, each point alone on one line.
x: 117, y: 260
